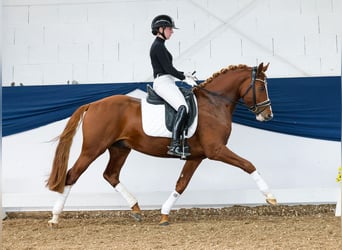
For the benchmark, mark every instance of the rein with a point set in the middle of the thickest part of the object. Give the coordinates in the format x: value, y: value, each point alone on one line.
x: 256, y: 107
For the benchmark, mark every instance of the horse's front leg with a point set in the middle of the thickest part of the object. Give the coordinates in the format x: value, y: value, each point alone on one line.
x: 222, y: 153
x: 118, y: 156
x: 188, y: 170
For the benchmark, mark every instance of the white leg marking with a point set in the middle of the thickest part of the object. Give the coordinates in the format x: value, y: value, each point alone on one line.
x: 59, y: 205
x: 131, y: 200
x: 168, y: 204
x: 262, y: 185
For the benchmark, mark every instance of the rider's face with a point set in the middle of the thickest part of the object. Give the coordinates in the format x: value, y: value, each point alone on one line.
x: 168, y: 31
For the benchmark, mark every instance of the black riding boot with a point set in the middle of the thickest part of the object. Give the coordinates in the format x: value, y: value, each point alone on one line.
x: 175, y: 147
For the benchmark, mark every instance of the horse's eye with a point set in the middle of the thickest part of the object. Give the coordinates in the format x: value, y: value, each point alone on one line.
x: 261, y: 88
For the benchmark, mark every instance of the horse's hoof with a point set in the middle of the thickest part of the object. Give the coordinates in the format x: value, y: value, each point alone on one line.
x: 164, y: 220
x: 136, y: 216
x: 271, y: 200
x: 52, y: 224
x: 163, y: 224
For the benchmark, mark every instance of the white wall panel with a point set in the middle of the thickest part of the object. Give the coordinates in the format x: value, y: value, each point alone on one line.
x: 304, y: 65
x: 278, y: 66
x: 325, y: 6
x: 308, y: 7
x: 15, y: 54
x: 337, y: 6
x: 285, y: 46
x: 57, y: 34
x: 330, y: 23
x: 28, y: 74
x: 226, y: 46
x: 96, y: 52
x: 222, y: 10
x: 303, y: 25
x: 329, y: 64
x: 322, y: 45
x: 106, y: 11
x: 58, y: 73
x: 79, y: 72
x: 110, y: 51
x: 43, y: 54
x: 260, y: 46
x: 142, y: 31
x: 8, y: 73
x: 280, y: 7
x: 111, y: 32
x: 95, y: 72
x: 64, y: 34
x: 8, y: 37
x: 29, y: 35
x: 73, y: 53
x: 43, y: 14
x: 142, y: 70
x: 122, y: 71
x: 15, y: 15
x: 73, y: 13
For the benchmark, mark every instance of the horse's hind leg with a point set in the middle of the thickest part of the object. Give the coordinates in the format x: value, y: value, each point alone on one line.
x: 73, y: 174
x: 118, y: 156
x: 59, y: 205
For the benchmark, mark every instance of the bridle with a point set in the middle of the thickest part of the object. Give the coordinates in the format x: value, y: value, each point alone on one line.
x: 256, y: 108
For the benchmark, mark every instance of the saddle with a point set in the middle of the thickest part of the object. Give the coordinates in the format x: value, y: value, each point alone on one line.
x: 170, y: 112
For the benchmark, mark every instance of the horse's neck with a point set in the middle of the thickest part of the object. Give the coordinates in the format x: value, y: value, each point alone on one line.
x: 227, y: 85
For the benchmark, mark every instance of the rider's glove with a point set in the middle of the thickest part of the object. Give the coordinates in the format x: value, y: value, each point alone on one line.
x: 190, y: 79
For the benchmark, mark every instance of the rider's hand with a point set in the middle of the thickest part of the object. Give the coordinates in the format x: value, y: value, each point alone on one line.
x: 190, y: 79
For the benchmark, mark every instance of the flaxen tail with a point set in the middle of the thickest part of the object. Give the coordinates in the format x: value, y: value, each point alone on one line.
x: 56, y: 181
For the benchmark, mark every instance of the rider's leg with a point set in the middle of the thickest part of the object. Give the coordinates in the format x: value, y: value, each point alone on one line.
x: 167, y: 89
x: 175, y: 147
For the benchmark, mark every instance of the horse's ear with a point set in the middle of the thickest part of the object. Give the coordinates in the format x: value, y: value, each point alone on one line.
x: 265, y: 67
x: 261, y: 67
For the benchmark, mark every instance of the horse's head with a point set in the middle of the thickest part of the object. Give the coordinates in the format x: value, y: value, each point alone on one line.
x: 255, y: 95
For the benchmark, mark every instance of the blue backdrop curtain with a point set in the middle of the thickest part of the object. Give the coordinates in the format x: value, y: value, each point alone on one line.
x: 309, y: 107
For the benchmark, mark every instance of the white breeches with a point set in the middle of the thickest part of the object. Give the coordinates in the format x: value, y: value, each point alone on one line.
x: 166, y: 87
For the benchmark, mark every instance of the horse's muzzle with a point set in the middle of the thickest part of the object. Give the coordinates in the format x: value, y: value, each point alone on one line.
x: 264, y: 116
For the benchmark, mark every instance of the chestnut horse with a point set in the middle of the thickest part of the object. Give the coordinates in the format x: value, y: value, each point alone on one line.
x: 115, y: 124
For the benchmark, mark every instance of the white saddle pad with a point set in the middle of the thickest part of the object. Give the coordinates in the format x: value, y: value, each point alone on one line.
x: 153, y: 120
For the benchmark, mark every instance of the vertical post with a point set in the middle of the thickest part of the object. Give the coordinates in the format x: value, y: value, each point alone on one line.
x: 2, y: 213
x: 341, y: 133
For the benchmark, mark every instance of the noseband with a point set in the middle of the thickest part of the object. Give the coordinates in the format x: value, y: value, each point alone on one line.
x: 256, y: 108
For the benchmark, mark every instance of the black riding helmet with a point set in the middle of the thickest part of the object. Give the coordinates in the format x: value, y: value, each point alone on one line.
x: 162, y: 21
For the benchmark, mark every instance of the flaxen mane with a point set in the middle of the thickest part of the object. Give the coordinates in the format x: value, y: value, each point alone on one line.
x: 223, y: 71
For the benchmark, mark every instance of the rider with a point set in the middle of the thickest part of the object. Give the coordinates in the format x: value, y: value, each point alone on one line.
x: 164, y: 80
